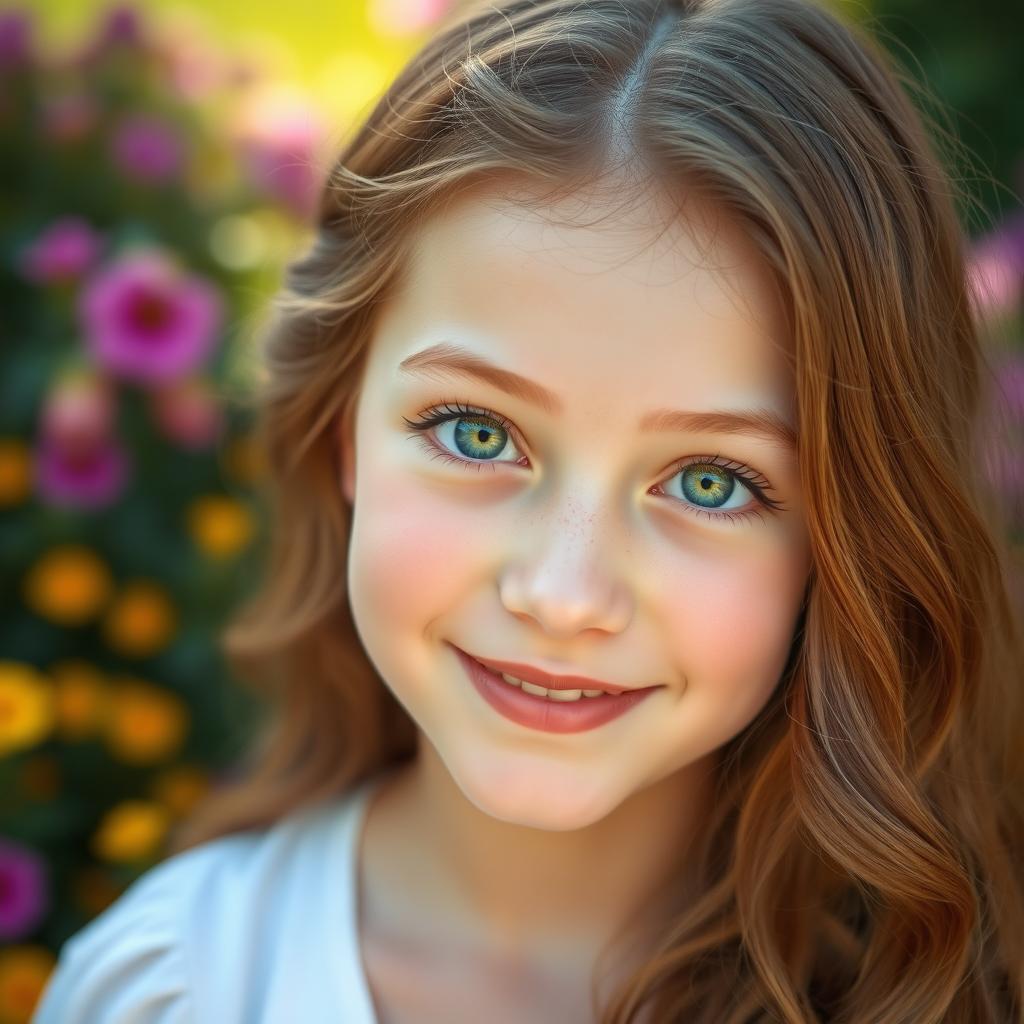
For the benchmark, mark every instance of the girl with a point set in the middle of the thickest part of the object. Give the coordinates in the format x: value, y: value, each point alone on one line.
x: 637, y: 620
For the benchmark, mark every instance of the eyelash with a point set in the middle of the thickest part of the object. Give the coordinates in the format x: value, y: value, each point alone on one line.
x: 449, y: 410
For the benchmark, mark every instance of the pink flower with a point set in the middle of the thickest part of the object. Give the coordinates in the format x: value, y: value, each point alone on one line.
x: 66, y: 249
x: 92, y: 479
x: 78, y: 415
x: 24, y: 893
x: 189, y: 412
x: 146, y: 148
x: 399, y: 17
x: 278, y: 142
x: 146, y: 320
x: 996, y: 269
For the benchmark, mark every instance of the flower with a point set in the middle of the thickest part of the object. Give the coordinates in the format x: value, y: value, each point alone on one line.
x: 16, y: 32
x: 65, y: 250
x: 93, y: 479
x: 146, y: 320
x: 24, y: 971
x: 68, y: 585
x: 15, y: 472
x: 278, y: 139
x: 26, y: 707
x: 188, y: 412
x: 24, y: 890
x: 80, y: 698
x: 78, y: 413
x: 131, y: 830
x: 140, y: 620
x: 220, y: 526
x: 398, y: 17
x: 146, y: 148
x: 146, y: 723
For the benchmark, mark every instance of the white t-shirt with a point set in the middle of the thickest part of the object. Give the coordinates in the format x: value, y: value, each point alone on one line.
x: 259, y: 927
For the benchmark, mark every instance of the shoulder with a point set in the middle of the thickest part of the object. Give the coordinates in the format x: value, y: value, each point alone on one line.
x: 188, y: 932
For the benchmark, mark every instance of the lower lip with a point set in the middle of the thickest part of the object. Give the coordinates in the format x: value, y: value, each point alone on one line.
x: 543, y: 714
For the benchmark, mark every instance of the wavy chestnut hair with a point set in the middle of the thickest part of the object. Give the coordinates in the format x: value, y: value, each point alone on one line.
x: 862, y: 859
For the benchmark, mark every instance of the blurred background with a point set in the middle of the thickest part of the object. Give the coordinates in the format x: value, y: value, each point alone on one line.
x: 159, y: 165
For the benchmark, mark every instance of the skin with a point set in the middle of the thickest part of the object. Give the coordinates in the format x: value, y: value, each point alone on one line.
x: 504, y: 856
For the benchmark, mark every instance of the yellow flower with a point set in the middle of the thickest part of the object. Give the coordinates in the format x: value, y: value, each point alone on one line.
x: 145, y: 723
x: 26, y: 706
x: 68, y: 585
x: 15, y: 472
x: 220, y: 526
x: 24, y: 971
x: 180, y: 788
x: 132, y: 830
x: 140, y: 620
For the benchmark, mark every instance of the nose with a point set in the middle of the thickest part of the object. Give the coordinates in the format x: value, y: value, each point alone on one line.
x: 566, y: 583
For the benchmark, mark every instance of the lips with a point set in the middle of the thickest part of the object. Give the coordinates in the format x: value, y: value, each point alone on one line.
x: 552, y: 681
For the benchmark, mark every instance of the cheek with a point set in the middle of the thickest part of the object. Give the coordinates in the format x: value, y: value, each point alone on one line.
x: 734, y: 618
x: 411, y: 552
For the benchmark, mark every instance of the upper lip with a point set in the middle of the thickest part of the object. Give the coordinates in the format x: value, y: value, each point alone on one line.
x: 550, y: 681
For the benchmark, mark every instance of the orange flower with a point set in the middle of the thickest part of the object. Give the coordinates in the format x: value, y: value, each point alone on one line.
x: 80, y: 698
x: 15, y: 472
x: 145, y: 724
x: 24, y: 971
x: 140, y: 620
x: 68, y: 585
x: 220, y: 526
x: 131, y: 831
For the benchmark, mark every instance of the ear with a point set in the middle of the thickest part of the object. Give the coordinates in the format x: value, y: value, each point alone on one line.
x: 347, y: 453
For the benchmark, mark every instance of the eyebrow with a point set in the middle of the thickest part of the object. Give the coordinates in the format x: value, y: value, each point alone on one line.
x: 446, y: 360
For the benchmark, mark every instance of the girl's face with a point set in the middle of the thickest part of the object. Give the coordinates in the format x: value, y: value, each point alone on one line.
x: 560, y: 524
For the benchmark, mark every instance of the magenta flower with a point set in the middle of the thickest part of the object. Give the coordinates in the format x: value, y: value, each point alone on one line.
x: 278, y: 143
x: 66, y: 249
x: 15, y: 40
x: 91, y: 479
x: 146, y: 148
x: 147, y: 321
x: 24, y: 892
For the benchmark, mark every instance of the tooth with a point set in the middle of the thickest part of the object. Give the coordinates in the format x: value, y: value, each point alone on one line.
x: 592, y: 693
x: 537, y: 691
x: 510, y: 679
x: 564, y: 694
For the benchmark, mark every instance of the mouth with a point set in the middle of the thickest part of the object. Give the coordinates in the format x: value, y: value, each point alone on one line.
x: 558, y: 685
x: 559, y: 710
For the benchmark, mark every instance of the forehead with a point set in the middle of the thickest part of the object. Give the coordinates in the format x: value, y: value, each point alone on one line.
x: 598, y: 291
